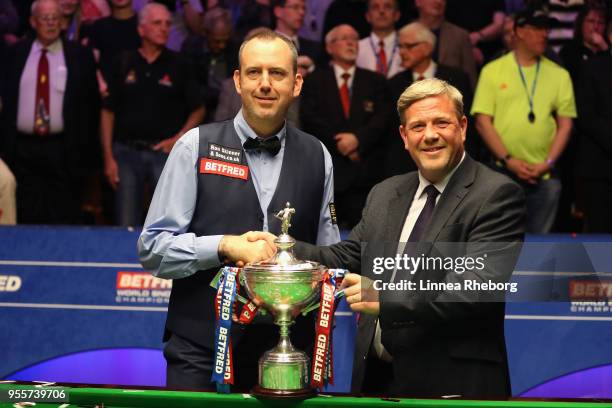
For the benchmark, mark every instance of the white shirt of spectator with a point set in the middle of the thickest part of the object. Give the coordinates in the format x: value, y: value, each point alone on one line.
x: 58, y: 73
x: 430, y: 72
x: 368, y: 53
x: 338, y: 71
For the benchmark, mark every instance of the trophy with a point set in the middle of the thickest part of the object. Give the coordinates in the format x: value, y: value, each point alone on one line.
x: 284, y: 286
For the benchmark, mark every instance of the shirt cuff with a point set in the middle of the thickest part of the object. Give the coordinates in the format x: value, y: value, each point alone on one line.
x: 207, y: 251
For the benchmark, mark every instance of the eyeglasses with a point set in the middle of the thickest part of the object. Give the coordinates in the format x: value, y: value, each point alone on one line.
x: 49, y: 18
x: 408, y: 46
x: 346, y: 38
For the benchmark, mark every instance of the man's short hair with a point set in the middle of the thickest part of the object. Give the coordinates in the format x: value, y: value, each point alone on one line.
x: 143, y: 14
x: 428, y: 88
x: 265, y: 34
x: 331, y: 35
x: 421, y: 32
x: 395, y: 4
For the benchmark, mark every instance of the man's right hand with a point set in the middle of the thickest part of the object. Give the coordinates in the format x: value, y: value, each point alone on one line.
x: 111, y: 171
x: 253, y: 246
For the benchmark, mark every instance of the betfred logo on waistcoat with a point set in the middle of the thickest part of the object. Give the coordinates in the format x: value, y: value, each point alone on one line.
x: 210, y: 166
x: 142, y: 287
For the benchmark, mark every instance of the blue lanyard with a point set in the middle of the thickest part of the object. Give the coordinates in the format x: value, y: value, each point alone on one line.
x: 531, y: 116
x: 377, y: 55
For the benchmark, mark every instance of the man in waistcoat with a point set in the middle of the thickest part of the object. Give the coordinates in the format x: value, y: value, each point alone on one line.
x: 221, y: 181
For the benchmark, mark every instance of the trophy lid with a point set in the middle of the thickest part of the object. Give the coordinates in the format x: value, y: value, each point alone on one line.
x: 284, y: 260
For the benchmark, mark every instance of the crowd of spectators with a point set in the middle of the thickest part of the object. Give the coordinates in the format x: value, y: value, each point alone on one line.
x: 94, y: 94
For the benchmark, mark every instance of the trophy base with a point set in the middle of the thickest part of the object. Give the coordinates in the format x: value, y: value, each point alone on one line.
x: 297, y: 395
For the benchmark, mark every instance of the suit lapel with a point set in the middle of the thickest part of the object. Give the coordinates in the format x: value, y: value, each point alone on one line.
x: 453, y: 194
x: 398, y: 209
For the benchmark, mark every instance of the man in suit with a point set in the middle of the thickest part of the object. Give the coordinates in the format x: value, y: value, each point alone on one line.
x: 594, y: 159
x: 289, y: 19
x: 416, y: 45
x: 454, y: 48
x: 50, y: 121
x: 347, y: 107
x: 428, y: 343
x: 378, y: 52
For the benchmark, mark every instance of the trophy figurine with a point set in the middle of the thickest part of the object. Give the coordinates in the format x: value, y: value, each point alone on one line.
x: 284, y: 286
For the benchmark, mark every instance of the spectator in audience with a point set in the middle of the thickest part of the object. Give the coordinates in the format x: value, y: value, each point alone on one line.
x: 564, y: 14
x: 51, y: 107
x: 289, y: 19
x: 214, y: 55
x: 416, y: 45
x: 594, y: 158
x: 483, y: 19
x: 8, y: 206
x: 347, y: 108
x: 453, y: 46
x: 153, y: 100
x: 524, y: 105
x: 111, y: 35
x: 508, y: 41
x: 378, y: 52
x: 312, y: 29
x: 589, y: 39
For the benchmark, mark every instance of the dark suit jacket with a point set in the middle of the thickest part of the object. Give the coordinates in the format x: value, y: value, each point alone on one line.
x: 397, y: 161
x: 81, y: 109
x: 449, y: 343
x: 455, y: 50
x: 321, y: 115
x: 594, y: 103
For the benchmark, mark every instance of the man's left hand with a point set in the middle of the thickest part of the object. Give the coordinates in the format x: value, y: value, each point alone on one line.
x: 346, y: 143
x: 360, y: 294
x: 166, y: 145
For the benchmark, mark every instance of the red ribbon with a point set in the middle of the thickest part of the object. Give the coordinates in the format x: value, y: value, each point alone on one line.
x: 321, y: 358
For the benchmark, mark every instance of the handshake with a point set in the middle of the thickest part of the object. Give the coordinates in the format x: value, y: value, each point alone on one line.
x: 253, y: 246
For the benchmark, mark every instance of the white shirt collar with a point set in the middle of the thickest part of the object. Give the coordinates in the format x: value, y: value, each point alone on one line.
x: 430, y: 72
x: 440, y: 185
x: 338, y: 71
x: 388, y: 40
x: 52, y: 48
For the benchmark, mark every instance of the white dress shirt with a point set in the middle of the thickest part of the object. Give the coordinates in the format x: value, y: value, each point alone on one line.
x: 430, y: 72
x: 368, y: 53
x: 58, y: 73
x: 339, y: 71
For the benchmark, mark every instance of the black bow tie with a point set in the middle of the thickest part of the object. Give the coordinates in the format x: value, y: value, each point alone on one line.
x: 272, y: 145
